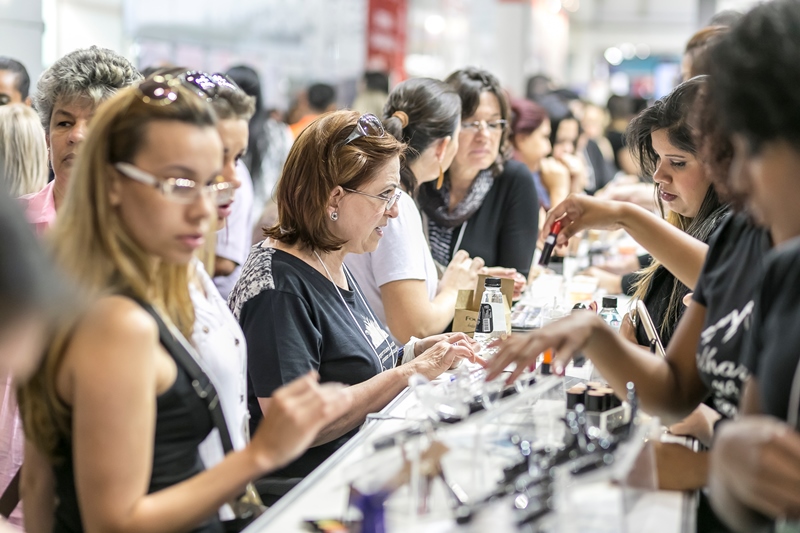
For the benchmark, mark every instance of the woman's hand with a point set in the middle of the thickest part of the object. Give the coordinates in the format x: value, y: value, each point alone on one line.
x: 296, y: 413
x: 555, y: 177
x: 627, y: 329
x: 699, y: 424
x: 510, y: 273
x: 443, y: 354
x: 611, y: 283
x: 461, y: 273
x: 577, y: 172
x: 757, y: 461
x: 566, y: 336
x: 579, y: 212
x: 458, y: 339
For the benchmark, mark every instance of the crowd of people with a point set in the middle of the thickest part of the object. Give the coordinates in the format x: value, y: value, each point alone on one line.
x: 202, y: 300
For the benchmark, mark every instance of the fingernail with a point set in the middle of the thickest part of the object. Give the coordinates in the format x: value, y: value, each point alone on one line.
x: 559, y: 369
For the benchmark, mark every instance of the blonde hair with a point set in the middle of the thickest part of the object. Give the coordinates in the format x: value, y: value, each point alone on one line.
x: 93, y: 248
x: 23, y: 150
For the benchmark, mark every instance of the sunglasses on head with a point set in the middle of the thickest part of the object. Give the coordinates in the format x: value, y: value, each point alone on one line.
x: 162, y: 89
x: 368, y: 125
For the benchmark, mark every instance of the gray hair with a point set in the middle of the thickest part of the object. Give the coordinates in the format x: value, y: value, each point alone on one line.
x: 23, y: 150
x: 94, y: 73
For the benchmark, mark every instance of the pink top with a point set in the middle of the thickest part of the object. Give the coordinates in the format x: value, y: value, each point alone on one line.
x: 40, y: 208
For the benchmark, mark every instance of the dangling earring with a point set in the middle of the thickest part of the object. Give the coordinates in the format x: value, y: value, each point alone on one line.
x: 334, y: 216
x: 440, y: 181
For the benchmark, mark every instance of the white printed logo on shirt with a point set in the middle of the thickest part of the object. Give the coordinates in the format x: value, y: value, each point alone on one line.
x: 375, y: 332
x: 728, y: 375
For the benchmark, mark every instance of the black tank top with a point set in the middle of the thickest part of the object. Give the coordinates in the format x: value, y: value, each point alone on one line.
x: 182, y: 422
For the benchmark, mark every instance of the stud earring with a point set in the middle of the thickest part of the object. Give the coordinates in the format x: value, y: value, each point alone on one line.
x: 334, y: 216
x: 440, y: 181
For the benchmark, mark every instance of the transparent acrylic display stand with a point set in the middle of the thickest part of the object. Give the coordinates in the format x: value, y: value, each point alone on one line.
x: 481, y: 446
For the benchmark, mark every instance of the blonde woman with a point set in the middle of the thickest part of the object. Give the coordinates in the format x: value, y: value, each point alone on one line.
x: 112, y: 418
x: 23, y: 150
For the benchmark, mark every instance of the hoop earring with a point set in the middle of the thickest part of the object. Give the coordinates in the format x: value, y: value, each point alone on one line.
x: 334, y: 216
x: 440, y: 181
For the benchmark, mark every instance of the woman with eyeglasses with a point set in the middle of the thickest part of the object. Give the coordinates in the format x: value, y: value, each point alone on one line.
x: 487, y: 205
x: 114, y: 416
x: 399, y: 278
x: 297, y: 302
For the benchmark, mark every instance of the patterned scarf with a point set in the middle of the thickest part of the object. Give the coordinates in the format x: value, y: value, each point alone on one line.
x: 436, y: 204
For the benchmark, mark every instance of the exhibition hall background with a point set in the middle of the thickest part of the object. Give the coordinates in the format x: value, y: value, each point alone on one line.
x: 595, y: 47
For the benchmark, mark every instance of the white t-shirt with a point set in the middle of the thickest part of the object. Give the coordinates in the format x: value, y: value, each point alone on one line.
x: 233, y: 241
x: 402, y: 253
x: 220, y: 345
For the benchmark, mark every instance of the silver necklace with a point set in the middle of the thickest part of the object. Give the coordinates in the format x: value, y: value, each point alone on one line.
x: 350, y: 281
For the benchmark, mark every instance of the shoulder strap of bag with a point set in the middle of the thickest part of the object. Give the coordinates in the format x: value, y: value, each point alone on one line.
x: 179, y: 349
x: 10, y: 497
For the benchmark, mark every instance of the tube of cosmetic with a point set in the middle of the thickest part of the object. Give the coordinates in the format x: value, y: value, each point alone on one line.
x: 550, y: 244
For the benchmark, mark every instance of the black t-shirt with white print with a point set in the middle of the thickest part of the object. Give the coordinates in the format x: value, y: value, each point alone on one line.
x: 772, y: 351
x: 727, y: 286
x: 295, y: 320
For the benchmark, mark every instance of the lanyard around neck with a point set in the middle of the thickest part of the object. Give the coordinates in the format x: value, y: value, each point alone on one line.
x: 355, y: 321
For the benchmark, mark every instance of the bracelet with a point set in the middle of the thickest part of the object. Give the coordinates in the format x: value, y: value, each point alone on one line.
x: 408, y: 351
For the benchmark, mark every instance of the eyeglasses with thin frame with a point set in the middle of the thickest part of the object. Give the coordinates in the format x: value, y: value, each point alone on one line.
x: 180, y: 190
x: 491, y: 126
x: 390, y: 201
x: 368, y: 125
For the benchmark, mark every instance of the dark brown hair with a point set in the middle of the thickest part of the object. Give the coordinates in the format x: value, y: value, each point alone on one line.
x: 699, y: 45
x: 433, y: 109
x: 318, y: 162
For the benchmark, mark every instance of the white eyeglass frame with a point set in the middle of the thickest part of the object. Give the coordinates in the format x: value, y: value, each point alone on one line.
x: 220, y: 192
x: 389, y: 201
x: 491, y: 126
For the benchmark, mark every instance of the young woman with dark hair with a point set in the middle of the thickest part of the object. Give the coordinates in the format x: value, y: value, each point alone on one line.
x: 399, y: 278
x: 755, y: 467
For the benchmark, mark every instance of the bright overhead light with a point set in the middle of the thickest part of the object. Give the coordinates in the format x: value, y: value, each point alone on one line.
x: 613, y: 55
x: 571, y: 5
x: 435, y: 24
x: 642, y: 51
x: 628, y: 50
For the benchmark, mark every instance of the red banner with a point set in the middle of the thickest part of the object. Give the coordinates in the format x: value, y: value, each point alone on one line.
x: 386, y: 37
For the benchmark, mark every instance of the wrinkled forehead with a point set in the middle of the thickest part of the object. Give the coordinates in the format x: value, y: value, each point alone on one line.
x: 80, y: 104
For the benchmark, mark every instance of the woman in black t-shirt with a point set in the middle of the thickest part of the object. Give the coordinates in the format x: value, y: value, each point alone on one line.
x: 755, y: 467
x: 298, y: 305
x: 114, y: 416
x: 703, y: 355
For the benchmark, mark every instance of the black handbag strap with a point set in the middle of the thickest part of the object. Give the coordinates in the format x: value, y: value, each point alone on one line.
x: 10, y: 497
x: 200, y: 382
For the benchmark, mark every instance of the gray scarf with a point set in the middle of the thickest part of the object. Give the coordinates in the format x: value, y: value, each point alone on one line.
x: 436, y: 204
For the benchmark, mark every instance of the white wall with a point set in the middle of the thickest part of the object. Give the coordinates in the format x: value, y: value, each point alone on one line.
x: 21, y: 30
x: 73, y: 24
